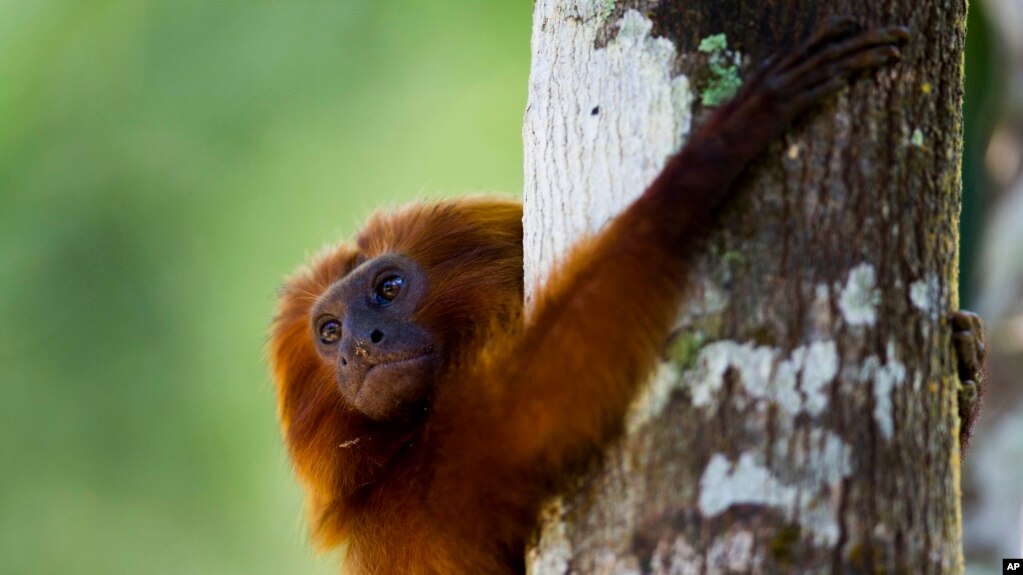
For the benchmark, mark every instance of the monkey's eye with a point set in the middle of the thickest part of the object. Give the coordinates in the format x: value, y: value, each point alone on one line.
x: 388, y: 289
x: 330, y: 332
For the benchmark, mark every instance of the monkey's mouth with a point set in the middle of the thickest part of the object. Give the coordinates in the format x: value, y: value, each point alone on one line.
x: 401, y: 378
x: 389, y: 389
x: 394, y: 367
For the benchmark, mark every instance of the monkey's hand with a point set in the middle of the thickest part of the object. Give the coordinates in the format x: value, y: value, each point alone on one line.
x: 823, y: 64
x: 698, y: 179
x: 971, y: 353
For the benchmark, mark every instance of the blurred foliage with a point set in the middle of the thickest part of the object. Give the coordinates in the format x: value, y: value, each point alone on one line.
x: 984, y: 90
x: 163, y: 165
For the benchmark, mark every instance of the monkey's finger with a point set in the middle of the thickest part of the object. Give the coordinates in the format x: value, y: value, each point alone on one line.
x: 969, y: 365
x: 808, y: 97
x: 963, y: 320
x: 968, y: 395
x: 970, y: 386
x: 864, y: 51
x: 835, y: 76
x: 835, y: 29
x: 896, y: 35
x: 813, y: 55
x: 968, y: 400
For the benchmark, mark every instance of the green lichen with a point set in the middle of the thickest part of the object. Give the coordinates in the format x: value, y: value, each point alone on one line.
x: 733, y: 257
x: 685, y: 349
x: 917, y: 139
x: 714, y: 44
x: 724, y: 79
x: 605, y: 9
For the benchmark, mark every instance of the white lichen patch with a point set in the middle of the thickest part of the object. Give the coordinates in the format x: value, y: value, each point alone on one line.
x: 784, y: 389
x: 924, y: 293
x: 578, y: 133
x: 786, y: 379
x: 794, y: 384
x: 823, y: 460
x: 886, y: 377
x: 753, y: 366
x: 918, y: 294
x: 635, y: 27
x: 882, y: 403
x: 731, y: 553
x: 682, y: 98
x: 676, y: 557
x: 746, y: 482
x: 816, y: 459
x: 859, y: 297
x: 724, y: 484
x: 819, y: 370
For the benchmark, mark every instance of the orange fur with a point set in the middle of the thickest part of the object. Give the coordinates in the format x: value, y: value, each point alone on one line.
x: 520, y: 402
x: 460, y: 493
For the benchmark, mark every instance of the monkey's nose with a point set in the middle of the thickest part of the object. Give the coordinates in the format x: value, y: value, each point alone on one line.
x: 359, y: 350
x: 354, y: 352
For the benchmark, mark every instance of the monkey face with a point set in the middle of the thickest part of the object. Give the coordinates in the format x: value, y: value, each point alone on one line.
x: 364, y: 326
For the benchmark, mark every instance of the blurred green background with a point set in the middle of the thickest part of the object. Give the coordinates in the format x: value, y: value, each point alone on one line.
x: 163, y: 166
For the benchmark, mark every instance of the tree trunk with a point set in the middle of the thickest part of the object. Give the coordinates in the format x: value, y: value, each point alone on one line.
x: 806, y: 421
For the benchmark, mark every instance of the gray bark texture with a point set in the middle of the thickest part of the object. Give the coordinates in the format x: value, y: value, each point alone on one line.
x: 806, y: 421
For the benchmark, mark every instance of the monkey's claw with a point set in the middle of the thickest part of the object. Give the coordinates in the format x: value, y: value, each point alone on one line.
x: 821, y: 65
x: 971, y: 353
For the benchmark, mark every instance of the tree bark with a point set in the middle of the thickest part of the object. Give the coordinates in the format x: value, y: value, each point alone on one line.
x: 806, y: 421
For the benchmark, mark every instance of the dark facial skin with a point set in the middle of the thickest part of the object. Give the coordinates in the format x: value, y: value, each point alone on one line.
x: 364, y: 327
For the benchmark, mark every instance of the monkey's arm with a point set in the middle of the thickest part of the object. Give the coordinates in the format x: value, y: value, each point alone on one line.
x: 598, y: 326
